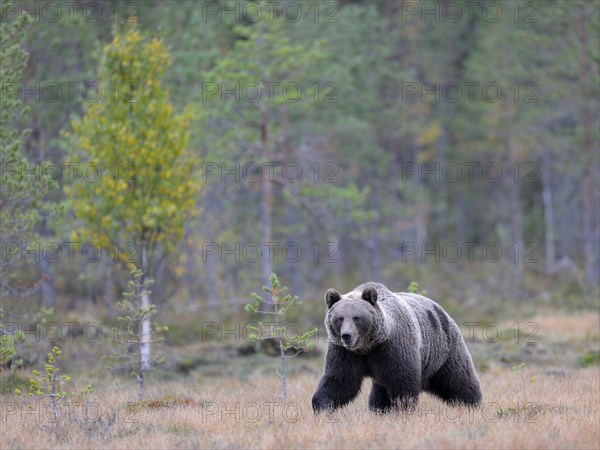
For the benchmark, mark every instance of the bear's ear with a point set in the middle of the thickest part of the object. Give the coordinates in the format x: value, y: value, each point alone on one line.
x: 370, y: 295
x: 331, y: 296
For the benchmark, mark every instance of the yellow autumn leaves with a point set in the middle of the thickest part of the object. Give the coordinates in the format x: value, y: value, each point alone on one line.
x: 148, y: 181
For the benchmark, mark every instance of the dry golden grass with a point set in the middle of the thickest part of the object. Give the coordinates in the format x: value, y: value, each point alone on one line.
x: 544, y: 406
x: 524, y: 409
x: 582, y: 324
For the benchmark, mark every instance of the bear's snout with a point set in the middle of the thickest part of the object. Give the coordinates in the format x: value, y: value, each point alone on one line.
x: 350, y: 340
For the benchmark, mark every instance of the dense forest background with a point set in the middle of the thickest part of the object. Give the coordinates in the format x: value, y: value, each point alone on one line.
x: 447, y: 143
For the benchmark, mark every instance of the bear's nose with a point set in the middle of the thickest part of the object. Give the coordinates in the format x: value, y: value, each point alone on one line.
x: 346, y: 336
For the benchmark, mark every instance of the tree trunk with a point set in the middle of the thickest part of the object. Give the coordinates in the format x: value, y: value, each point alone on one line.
x: 109, y: 293
x: 516, y: 212
x: 421, y: 230
x: 587, y: 194
x: 281, y: 353
x: 47, y: 282
x: 460, y: 213
x: 145, y: 337
x: 267, y: 199
x: 190, y: 268
x: 548, y: 210
x: 89, y: 292
x: 211, y: 265
x: 294, y: 273
x: 375, y: 258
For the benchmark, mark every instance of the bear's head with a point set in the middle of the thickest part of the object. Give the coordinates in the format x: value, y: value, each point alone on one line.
x: 354, y: 320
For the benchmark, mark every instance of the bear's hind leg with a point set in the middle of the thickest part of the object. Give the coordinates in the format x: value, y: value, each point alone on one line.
x: 379, y: 400
x: 456, y: 383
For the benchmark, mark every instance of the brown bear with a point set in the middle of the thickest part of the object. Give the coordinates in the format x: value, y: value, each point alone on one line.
x: 405, y: 342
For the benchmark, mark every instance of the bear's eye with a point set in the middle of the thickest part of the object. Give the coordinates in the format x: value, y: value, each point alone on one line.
x: 356, y: 318
x: 339, y: 320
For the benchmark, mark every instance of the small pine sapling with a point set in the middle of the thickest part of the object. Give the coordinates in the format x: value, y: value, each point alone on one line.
x: 13, y: 341
x: 280, y: 305
x: 135, y: 328
x: 48, y: 385
x: 413, y: 288
x: 9, y: 337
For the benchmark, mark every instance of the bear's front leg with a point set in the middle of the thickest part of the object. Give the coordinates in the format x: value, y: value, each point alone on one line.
x: 397, y: 379
x: 334, y: 393
x: 405, y: 399
x: 379, y: 400
x: 341, y: 381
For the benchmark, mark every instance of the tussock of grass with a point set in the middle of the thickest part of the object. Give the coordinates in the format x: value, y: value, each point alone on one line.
x: 12, y: 381
x: 166, y: 401
x: 591, y: 358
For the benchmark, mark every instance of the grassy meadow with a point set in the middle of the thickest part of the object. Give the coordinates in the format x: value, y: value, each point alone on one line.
x: 231, y: 398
